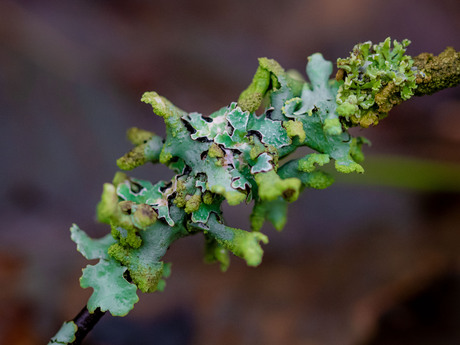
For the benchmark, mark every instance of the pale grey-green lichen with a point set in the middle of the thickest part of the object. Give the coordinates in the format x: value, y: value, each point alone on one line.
x: 235, y: 155
x: 65, y: 335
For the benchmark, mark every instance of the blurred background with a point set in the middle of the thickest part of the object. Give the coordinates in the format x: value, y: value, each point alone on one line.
x: 372, y: 260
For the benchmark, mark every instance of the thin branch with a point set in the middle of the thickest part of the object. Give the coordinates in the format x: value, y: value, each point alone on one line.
x: 85, y: 322
x: 437, y: 72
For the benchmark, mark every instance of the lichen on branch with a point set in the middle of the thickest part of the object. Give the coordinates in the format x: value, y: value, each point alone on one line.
x: 373, y: 79
x: 235, y: 155
x: 437, y: 72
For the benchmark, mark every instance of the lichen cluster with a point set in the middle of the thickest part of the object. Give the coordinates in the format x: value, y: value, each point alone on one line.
x: 233, y: 155
x: 375, y: 77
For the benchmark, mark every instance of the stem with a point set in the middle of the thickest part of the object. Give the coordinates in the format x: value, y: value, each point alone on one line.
x: 73, y: 332
x: 85, y: 322
x: 437, y: 72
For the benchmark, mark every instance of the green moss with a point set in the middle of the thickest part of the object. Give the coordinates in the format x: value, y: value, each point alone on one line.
x: 126, y: 236
x: 246, y: 245
x: 256, y: 150
x: 241, y: 243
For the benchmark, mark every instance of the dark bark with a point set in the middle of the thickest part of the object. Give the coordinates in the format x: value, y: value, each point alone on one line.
x: 85, y: 322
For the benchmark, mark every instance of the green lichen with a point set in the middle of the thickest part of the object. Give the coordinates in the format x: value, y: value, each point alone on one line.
x: 374, y: 78
x: 138, y: 136
x: 208, y: 198
x: 215, y: 151
x: 112, y: 292
x: 193, y: 204
x: 234, y: 155
x: 295, y: 129
x: 65, y: 335
x: 271, y: 186
x: 308, y: 163
x: 275, y: 211
x: 134, y: 158
x: 436, y: 73
x: 214, y: 252
x: 266, y: 77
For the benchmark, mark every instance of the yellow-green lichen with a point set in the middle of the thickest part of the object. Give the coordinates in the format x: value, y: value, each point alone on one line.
x: 309, y: 162
x: 143, y: 216
x: 266, y: 74
x: 332, y: 126
x: 108, y: 205
x: 348, y: 167
x: 165, y: 157
x: 214, y: 252
x: 138, y: 136
x: 437, y: 72
x: 295, y: 128
x: 134, y: 158
x: 271, y: 186
x: 119, y: 177
x: 208, y: 198
x: 145, y: 276
x: 376, y: 77
x: 193, y: 203
x: 215, y: 151
x: 234, y: 197
x: 181, y: 193
x: 319, y: 180
x: 246, y: 245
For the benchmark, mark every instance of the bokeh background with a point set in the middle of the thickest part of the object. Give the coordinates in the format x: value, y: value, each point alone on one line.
x: 372, y: 260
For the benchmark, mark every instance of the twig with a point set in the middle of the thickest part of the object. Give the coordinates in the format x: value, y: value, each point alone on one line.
x: 85, y: 322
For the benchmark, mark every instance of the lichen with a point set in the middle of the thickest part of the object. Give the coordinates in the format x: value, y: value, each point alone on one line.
x: 234, y: 155
x: 65, y: 335
x: 373, y: 79
x: 437, y: 72
x: 308, y: 163
x: 295, y: 129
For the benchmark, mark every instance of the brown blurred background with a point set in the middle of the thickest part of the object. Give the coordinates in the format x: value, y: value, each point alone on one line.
x: 372, y: 260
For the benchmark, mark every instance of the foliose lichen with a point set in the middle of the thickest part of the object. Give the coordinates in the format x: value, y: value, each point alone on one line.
x: 235, y: 155
x: 374, y: 78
